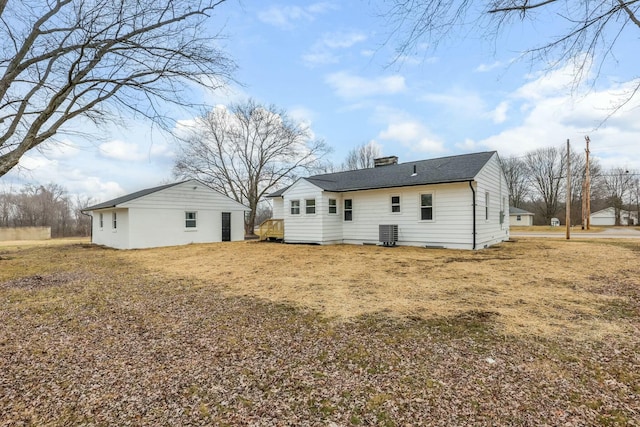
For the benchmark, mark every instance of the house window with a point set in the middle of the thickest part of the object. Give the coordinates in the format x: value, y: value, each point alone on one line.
x: 426, y: 207
x: 310, y: 206
x: 486, y: 206
x: 395, y: 204
x: 101, y: 220
x: 333, y: 206
x: 114, y: 221
x: 348, y: 210
x: 295, y: 207
x: 190, y: 220
x: 518, y: 218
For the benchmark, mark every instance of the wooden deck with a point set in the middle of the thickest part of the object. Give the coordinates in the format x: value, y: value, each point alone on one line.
x: 271, y: 229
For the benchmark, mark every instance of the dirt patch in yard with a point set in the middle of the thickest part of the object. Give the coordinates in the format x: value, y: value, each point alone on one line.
x: 535, y: 287
x: 44, y: 281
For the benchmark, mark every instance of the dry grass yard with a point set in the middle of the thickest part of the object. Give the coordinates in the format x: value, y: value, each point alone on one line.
x: 536, y: 332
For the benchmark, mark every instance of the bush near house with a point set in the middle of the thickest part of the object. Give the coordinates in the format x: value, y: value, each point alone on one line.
x: 527, y: 333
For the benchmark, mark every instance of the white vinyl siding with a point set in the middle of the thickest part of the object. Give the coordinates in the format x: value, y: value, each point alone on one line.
x: 278, y: 208
x: 452, y: 209
x: 139, y: 220
x: 107, y: 235
x: 306, y: 228
x: 490, y: 184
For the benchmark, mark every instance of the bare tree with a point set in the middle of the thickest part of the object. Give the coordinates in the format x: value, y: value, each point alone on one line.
x: 6, y: 208
x: 586, y: 29
x: 546, y: 169
x: 635, y: 197
x: 65, y: 59
x: 619, y: 183
x: 515, y: 170
x: 362, y: 156
x: 246, y: 150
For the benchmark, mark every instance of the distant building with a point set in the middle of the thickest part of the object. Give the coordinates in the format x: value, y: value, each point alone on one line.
x: 607, y: 216
x: 520, y: 217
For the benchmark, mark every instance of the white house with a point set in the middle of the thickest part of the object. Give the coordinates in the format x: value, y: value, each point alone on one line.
x: 607, y: 216
x: 519, y: 217
x: 453, y: 202
x: 173, y: 214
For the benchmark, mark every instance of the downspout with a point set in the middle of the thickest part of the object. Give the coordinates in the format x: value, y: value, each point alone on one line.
x: 473, y: 192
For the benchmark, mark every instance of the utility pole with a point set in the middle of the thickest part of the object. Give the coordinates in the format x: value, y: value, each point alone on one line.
x: 568, y: 197
x: 587, y: 180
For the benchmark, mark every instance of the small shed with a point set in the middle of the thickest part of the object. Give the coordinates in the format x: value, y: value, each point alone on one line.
x: 519, y: 217
x: 173, y: 214
x: 555, y: 222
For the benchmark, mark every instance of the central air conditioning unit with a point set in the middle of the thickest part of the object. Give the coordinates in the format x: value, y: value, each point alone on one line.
x: 388, y: 234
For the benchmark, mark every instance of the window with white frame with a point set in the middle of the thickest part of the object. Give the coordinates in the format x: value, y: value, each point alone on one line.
x: 348, y: 210
x: 114, y: 221
x: 395, y: 204
x: 333, y: 206
x: 426, y: 207
x: 295, y: 207
x: 101, y: 220
x: 190, y: 219
x: 486, y: 205
x: 518, y: 218
x: 310, y: 206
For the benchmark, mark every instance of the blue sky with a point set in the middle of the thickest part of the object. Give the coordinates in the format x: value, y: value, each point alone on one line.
x: 328, y: 65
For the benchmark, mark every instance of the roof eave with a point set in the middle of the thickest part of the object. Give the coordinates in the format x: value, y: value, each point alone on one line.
x: 401, y: 186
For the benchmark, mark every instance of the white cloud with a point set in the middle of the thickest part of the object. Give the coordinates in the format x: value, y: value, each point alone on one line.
x: 320, y: 58
x: 468, y: 145
x: 100, y: 190
x: 348, y: 85
x: 342, y: 40
x: 544, y: 85
x: 120, y: 150
x: 551, y: 115
x: 500, y: 112
x: 483, y: 68
x: 413, y: 135
x: 301, y: 114
x: 324, y: 50
x: 459, y: 101
x: 286, y: 17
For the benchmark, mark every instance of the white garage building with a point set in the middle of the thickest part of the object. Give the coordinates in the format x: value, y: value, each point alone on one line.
x: 174, y: 214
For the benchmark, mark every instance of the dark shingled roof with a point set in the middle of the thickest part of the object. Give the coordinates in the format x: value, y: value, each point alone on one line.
x: 433, y: 171
x: 123, y: 199
x: 518, y: 211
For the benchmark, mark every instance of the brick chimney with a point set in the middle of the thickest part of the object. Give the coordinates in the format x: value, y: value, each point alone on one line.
x: 385, y: 161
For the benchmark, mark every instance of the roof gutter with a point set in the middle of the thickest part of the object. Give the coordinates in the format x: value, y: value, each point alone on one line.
x: 473, y: 192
